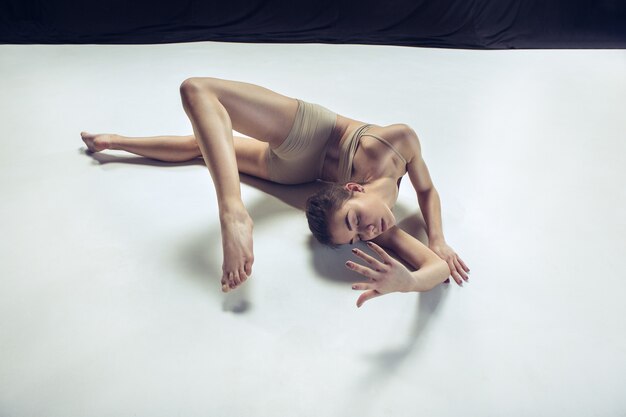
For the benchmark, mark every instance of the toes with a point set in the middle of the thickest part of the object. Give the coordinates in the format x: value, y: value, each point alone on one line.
x: 236, y: 278
x: 232, y: 280
x: 242, y: 275
x: 248, y: 268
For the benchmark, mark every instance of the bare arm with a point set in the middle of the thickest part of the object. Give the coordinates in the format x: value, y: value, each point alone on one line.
x: 430, y: 204
x: 427, y: 194
x: 430, y: 271
x: 386, y: 274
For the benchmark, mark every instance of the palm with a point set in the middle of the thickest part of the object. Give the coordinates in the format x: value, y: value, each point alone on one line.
x: 384, y: 276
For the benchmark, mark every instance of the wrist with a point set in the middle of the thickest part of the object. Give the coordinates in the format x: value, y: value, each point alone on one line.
x: 414, y: 285
x: 436, y: 240
x: 429, y: 276
x: 411, y: 286
x: 232, y: 211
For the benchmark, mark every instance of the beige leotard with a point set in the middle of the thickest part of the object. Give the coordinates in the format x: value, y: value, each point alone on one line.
x: 348, y: 150
x: 300, y: 158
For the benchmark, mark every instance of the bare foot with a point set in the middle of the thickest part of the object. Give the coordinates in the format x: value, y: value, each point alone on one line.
x: 237, y: 246
x: 97, y: 142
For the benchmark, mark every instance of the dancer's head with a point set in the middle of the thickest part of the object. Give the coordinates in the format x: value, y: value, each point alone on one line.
x: 340, y: 214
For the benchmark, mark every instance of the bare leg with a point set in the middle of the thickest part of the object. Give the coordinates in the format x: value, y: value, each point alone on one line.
x: 214, y: 107
x: 162, y: 148
x: 183, y: 148
x: 250, y: 152
x: 211, y: 124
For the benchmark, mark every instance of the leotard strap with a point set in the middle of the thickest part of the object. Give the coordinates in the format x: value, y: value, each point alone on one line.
x: 349, y: 147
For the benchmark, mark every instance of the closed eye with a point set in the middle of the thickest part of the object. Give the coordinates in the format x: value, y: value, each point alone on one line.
x: 350, y: 228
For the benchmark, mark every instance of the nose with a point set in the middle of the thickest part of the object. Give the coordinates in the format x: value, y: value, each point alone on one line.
x: 369, y: 231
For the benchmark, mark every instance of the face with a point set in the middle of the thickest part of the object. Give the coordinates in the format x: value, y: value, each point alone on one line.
x: 362, y: 217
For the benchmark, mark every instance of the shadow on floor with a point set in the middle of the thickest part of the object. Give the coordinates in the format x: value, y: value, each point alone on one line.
x: 202, y: 254
x: 329, y: 263
x: 106, y: 158
x: 293, y: 195
x: 385, y: 363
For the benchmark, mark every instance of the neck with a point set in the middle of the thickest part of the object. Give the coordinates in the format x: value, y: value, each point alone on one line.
x: 384, y: 188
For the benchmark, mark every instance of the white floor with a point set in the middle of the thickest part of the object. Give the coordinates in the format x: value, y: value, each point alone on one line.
x: 109, y: 296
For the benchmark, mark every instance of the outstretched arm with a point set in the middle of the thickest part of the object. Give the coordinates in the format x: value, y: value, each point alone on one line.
x: 386, y: 274
x: 430, y: 204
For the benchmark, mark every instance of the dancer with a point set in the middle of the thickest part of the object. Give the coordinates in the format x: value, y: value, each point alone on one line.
x: 291, y: 141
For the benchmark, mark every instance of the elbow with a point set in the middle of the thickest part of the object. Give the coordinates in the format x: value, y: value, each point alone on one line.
x: 436, y: 272
x: 440, y: 272
x: 443, y: 271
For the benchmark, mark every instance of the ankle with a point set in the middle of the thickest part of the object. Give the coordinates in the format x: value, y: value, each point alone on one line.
x: 234, y: 212
x: 114, y: 142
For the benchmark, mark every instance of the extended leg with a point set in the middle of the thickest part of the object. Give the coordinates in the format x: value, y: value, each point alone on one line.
x: 250, y: 152
x: 163, y: 148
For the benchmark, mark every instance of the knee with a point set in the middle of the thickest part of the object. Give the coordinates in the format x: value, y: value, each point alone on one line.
x: 190, y: 87
x: 197, y: 89
x: 192, y: 144
x: 194, y: 85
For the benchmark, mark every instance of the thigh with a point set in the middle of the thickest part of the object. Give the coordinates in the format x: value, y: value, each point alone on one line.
x: 251, y: 156
x: 254, y: 111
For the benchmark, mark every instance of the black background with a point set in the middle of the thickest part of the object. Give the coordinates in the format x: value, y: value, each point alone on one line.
x: 476, y: 24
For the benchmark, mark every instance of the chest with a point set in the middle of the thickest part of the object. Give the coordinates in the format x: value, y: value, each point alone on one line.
x: 374, y: 159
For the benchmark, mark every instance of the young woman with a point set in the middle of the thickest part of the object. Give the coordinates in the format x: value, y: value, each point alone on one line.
x: 292, y: 141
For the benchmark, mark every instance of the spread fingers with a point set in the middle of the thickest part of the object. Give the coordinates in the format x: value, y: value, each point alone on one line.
x: 363, y: 270
x: 363, y: 286
x: 367, y: 258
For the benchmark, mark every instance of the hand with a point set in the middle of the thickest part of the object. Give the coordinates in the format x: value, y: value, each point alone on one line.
x: 384, y: 277
x: 458, y: 268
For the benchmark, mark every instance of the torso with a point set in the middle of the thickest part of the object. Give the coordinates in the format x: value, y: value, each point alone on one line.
x: 373, y: 159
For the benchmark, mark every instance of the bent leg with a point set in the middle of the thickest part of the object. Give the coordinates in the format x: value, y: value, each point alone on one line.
x: 253, y: 110
x: 213, y: 130
x: 214, y: 108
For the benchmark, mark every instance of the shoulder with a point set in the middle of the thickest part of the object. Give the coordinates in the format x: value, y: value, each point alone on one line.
x: 399, y: 131
x: 402, y: 136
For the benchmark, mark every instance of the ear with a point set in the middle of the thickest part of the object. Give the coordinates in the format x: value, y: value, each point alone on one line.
x: 354, y: 186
